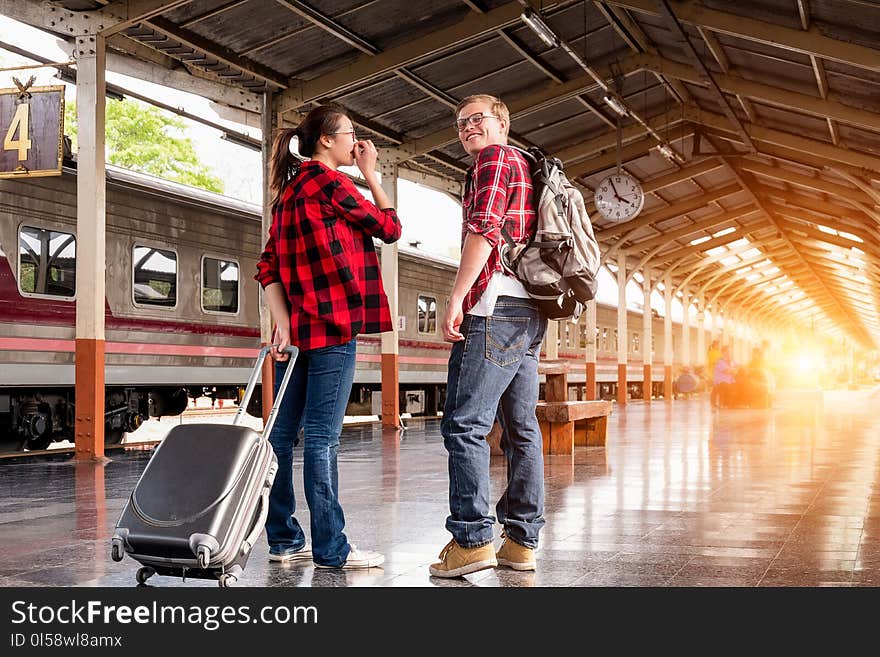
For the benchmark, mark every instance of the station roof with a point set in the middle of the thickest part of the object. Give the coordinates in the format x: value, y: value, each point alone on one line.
x: 766, y: 204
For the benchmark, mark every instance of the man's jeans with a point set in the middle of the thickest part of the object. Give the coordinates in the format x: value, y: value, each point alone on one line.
x: 494, y: 371
x: 315, y: 401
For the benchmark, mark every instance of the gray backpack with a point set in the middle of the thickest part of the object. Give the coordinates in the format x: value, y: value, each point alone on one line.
x: 559, y: 265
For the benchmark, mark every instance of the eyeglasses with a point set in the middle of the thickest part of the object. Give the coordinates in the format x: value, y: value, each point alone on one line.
x: 473, y: 119
x: 345, y: 132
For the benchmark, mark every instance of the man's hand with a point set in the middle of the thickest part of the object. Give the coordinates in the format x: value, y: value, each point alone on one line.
x: 452, y: 321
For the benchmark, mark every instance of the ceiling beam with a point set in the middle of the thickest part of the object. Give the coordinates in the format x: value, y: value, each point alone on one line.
x: 665, y: 237
x: 681, y: 36
x: 367, y: 67
x: 808, y: 182
x: 548, y: 95
x: 808, y: 42
x: 215, y: 51
x: 768, y: 94
x: 695, y: 249
x: 630, y: 152
x: 858, y: 331
x: 684, y: 206
x: 812, y: 147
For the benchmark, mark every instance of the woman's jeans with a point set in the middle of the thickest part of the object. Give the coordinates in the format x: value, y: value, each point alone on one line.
x: 494, y: 371
x: 315, y: 401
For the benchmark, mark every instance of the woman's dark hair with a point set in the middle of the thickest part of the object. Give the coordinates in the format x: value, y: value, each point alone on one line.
x: 322, y: 120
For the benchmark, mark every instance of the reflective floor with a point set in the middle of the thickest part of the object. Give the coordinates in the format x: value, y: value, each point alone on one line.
x: 682, y: 495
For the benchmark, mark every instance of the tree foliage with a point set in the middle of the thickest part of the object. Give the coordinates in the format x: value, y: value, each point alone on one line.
x: 141, y: 138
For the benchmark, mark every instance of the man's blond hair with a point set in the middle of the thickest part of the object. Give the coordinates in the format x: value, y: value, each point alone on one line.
x: 499, y: 109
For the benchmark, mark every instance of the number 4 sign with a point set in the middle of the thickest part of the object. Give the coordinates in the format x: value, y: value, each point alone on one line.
x: 32, y: 127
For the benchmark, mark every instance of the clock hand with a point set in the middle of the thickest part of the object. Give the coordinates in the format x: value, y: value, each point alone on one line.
x: 616, y: 193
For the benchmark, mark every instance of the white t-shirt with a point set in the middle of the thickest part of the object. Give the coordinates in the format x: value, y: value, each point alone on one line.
x: 499, y: 285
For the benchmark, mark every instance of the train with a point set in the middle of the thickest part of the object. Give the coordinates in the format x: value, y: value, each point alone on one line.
x: 182, y: 311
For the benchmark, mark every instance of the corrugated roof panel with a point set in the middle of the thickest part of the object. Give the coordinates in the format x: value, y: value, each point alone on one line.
x: 390, y: 23
x: 308, y: 55
x: 801, y: 125
x: 860, y: 140
x: 776, y: 12
x: 244, y: 26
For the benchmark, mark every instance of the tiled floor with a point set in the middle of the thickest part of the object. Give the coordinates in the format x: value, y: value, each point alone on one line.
x: 681, y: 496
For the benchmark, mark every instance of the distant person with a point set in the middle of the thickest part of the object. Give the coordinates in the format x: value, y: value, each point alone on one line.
x: 724, y: 379
x: 712, y: 356
x: 757, y: 381
x: 321, y: 279
x: 496, y: 333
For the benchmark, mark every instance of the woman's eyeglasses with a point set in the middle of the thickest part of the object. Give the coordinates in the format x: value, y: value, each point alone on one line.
x: 346, y: 132
x: 473, y: 119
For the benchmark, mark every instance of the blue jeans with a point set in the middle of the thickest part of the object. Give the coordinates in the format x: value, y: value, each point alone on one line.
x: 494, y: 371
x: 315, y: 401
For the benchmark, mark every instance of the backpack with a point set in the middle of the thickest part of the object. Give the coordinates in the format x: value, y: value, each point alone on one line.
x: 559, y: 265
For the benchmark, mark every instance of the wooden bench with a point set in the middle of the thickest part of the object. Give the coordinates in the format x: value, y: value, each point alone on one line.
x: 569, y: 423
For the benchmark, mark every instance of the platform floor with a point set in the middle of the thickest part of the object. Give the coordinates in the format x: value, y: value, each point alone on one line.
x: 681, y: 496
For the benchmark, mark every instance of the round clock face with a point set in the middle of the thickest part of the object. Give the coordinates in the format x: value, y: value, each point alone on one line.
x: 619, y: 197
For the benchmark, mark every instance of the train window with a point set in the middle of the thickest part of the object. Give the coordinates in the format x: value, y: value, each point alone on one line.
x: 636, y: 343
x: 155, y: 277
x: 427, y: 314
x: 46, y: 262
x: 219, y: 285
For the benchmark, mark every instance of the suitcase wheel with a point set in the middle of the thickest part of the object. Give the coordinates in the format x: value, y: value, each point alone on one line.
x: 227, y: 579
x: 144, y: 573
x: 116, y: 551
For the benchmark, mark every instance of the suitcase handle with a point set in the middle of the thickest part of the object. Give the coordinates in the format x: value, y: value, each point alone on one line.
x: 252, y: 383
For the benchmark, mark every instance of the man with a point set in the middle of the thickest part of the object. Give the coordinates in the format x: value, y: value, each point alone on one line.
x: 712, y: 357
x: 496, y: 333
x: 724, y: 378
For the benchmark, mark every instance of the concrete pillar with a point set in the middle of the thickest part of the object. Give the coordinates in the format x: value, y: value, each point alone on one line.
x: 686, y: 329
x: 90, y: 248
x: 552, y: 340
x: 590, y: 352
x: 390, y: 339
x: 667, y: 341
x: 267, y: 126
x: 622, y: 341
x: 701, y: 331
x: 647, y: 332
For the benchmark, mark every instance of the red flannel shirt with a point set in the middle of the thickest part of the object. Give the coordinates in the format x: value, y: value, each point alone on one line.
x: 498, y: 191
x: 320, y: 248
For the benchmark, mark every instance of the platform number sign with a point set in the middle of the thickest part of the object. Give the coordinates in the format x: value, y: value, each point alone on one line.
x: 32, y: 130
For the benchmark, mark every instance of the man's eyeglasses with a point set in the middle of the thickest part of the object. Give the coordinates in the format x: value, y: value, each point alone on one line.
x: 473, y: 119
x: 346, y: 132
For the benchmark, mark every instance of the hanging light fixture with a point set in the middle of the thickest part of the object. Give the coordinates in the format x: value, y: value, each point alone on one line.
x: 539, y: 27
x: 616, y: 104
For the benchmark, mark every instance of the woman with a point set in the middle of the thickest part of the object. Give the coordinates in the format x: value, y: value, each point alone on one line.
x: 322, y: 283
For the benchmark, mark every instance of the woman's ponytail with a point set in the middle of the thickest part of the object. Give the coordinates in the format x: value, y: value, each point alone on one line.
x: 284, y: 165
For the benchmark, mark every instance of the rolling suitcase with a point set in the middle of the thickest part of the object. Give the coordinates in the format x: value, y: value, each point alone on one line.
x: 202, y: 500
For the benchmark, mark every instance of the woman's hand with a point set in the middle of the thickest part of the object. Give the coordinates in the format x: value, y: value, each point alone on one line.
x: 280, y: 341
x: 365, y: 155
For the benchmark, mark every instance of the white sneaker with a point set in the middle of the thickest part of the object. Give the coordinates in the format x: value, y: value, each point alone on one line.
x: 359, y: 559
x: 302, y: 554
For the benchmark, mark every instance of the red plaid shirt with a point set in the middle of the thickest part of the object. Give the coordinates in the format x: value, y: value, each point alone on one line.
x: 320, y: 248
x: 498, y: 191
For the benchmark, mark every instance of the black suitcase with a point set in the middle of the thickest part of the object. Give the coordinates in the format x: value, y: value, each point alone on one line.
x: 202, y: 500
